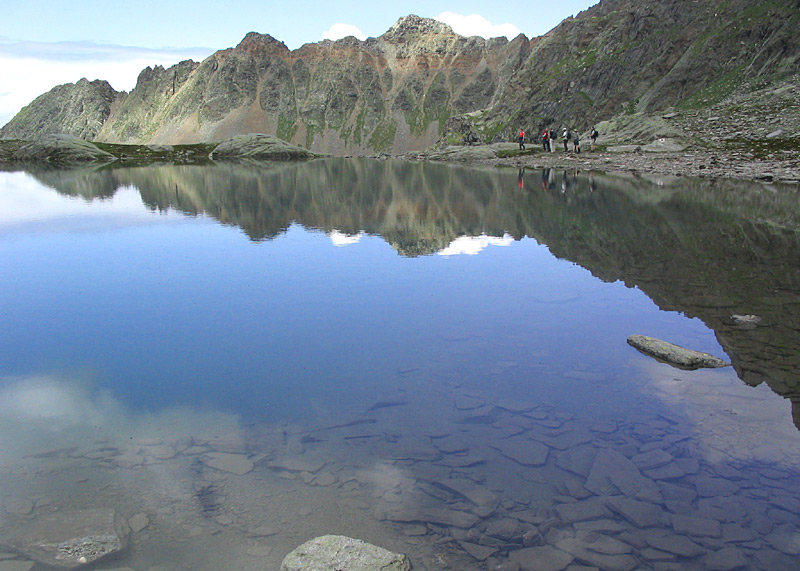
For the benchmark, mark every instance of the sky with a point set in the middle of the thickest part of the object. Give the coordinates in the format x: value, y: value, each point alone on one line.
x: 44, y: 43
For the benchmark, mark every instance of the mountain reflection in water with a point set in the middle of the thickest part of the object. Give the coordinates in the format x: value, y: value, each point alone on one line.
x: 710, y: 249
x: 346, y: 364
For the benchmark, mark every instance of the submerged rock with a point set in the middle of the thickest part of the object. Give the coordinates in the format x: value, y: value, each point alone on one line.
x: 71, y: 539
x: 674, y: 354
x: 745, y: 321
x: 333, y: 552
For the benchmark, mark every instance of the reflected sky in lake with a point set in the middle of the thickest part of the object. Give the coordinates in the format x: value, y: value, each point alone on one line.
x: 169, y: 310
x: 396, y: 330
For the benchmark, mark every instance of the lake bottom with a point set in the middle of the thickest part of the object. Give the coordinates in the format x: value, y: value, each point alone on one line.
x: 693, y: 470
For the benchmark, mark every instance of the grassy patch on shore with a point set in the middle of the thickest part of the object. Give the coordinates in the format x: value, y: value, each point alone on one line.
x: 509, y: 153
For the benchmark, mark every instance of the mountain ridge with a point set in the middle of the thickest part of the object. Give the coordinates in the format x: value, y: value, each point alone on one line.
x: 420, y: 83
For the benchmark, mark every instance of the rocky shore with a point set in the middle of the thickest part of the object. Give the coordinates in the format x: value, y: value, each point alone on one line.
x: 750, y: 136
x: 694, y: 163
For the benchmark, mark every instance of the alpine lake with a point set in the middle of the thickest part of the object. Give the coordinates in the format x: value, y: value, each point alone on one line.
x: 203, y: 367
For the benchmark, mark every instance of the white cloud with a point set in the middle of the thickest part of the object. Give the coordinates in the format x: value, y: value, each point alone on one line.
x: 340, y: 239
x: 29, y: 207
x: 476, y: 25
x: 339, y: 31
x: 472, y: 245
x: 33, y: 68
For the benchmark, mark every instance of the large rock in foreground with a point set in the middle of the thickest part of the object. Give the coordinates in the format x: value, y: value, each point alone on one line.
x: 71, y: 539
x: 260, y: 147
x: 675, y: 355
x: 337, y: 552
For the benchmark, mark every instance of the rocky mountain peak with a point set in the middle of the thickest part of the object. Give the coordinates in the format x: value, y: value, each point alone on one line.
x: 409, y: 28
x: 79, y: 109
x: 263, y: 44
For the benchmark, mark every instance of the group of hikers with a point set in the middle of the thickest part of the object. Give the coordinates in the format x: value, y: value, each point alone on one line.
x: 549, y: 140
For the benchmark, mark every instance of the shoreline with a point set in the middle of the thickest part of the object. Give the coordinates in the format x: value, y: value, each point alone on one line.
x: 697, y: 162
x: 690, y: 162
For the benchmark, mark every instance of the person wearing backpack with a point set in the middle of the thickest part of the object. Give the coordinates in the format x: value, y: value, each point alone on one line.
x: 593, y: 137
x: 576, y: 143
x: 553, y: 141
x: 566, y: 135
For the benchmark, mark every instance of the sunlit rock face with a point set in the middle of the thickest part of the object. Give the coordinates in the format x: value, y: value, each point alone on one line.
x: 421, y: 83
x: 387, y: 94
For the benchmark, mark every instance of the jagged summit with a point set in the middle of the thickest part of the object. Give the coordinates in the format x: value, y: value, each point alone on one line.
x: 264, y: 43
x: 412, y: 27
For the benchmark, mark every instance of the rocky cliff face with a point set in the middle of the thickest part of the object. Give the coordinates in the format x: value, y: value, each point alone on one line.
x: 80, y: 109
x: 420, y: 82
x: 627, y: 56
x: 392, y: 93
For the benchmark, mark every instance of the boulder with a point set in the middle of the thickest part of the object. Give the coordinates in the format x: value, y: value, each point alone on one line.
x: 70, y: 539
x: 674, y: 354
x: 259, y: 147
x: 63, y: 149
x: 745, y: 321
x: 335, y: 552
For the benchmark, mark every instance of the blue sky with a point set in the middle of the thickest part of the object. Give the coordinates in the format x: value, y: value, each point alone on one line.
x: 44, y: 43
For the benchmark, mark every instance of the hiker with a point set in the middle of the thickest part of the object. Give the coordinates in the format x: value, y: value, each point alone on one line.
x: 566, y: 135
x: 576, y: 143
x: 545, y: 140
x: 521, y: 140
x: 593, y: 137
x: 552, y: 141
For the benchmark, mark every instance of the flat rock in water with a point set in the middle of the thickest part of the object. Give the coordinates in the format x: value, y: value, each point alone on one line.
x: 592, y: 508
x: 675, y: 544
x: 525, y: 452
x: 234, y: 463
x: 440, y: 516
x: 578, y: 460
x: 675, y: 355
x: 727, y: 558
x: 545, y: 558
x: 337, y: 552
x: 479, y: 552
x: 640, y: 514
x: 580, y: 549
x: 612, y: 468
x: 70, y: 539
x: 468, y: 489
x: 298, y: 464
x: 696, y: 526
x: 406, y: 449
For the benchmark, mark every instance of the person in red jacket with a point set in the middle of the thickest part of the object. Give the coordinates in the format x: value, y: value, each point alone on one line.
x: 521, y: 140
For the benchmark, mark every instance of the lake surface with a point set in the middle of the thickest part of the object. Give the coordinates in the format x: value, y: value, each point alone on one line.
x: 235, y: 359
